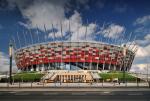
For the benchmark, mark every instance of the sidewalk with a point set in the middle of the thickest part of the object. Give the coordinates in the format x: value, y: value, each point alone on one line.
x: 73, y: 85
x: 70, y: 89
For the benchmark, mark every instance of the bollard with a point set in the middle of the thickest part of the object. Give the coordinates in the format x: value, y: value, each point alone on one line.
x: 31, y: 84
x: 126, y: 83
x: 137, y: 82
x: 7, y: 85
x: 102, y: 83
x: 149, y: 84
x: 19, y: 84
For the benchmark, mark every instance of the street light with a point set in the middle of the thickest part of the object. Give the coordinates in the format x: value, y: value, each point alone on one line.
x: 148, y: 74
x: 124, y: 57
x: 10, y: 64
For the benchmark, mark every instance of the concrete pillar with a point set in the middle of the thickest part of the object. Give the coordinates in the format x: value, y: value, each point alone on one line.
x: 61, y: 78
x: 29, y: 68
x: 43, y: 68
x: 26, y: 68
x: 97, y: 66
x: 90, y: 65
x: 64, y: 77
x: 37, y: 68
x: 103, y: 66
x: 120, y: 67
x: 19, y: 70
x: 84, y: 78
x: 109, y: 67
x: 73, y: 78
x: 32, y: 68
x: 114, y: 67
x: 49, y: 66
x: 127, y: 69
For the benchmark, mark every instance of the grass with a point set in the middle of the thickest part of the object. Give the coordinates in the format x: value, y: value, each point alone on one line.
x: 27, y: 77
x: 119, y: 75
x: 36, y: 77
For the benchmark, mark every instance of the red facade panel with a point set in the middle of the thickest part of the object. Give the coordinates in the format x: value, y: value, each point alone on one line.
x: 75, y: 54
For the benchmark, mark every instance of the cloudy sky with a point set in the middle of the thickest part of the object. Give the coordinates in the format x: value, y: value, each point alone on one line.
x: 110, y: 20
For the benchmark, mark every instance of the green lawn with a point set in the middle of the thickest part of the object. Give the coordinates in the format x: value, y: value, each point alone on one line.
x: 27, y: 76
x: 35, y: 76
x: 119, y: 75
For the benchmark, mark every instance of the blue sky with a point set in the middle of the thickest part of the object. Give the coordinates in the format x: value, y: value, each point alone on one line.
x: 112, y: 19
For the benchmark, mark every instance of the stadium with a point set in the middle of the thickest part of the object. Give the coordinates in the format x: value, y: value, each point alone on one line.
x: 81, y: 55
x: 66, y: 60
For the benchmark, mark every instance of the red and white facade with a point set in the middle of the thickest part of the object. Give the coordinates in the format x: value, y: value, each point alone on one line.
x: 84, y: 55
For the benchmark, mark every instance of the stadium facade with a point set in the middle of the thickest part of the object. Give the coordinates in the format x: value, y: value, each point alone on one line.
x: 65, y: 55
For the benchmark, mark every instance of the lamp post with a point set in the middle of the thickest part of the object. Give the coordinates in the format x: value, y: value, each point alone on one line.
x: 10, y: 64
x: 148, y: 74
x: 124, y: 58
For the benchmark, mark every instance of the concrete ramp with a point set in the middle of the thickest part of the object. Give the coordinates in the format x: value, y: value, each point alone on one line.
x: 144, y: 77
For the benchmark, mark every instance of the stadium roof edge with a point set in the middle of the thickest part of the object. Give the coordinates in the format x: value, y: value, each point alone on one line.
x: 42, y: 43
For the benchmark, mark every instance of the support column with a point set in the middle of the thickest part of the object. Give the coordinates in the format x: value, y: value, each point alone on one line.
x: 37, y: 68
x: 42, y: 68
x: 66, y: 78
x: 32, y: 68
x: 97, y: 66
x: 120, y: 67
x: 109, y: 66
x: 114, y: 67
x: 63, y: 78
x: 26, y: 68
x: 19, y: 70
x: 73, y: 77
x: 103, y: 66
x: 90, y: 65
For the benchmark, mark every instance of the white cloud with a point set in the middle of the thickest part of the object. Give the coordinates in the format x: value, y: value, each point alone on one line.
x: 80, y: 35
x: 47, y: 12
x: 113, y: 31
x: 4, y: 63
x: 142, y: 25
x: 77, y: 28
x: 142, y: 20
x: 142, y: 58
x: 142, y: 42
x: 140, y: 68
x: 142, y: 52
x: 147, y: 37
x: 44, y: 12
